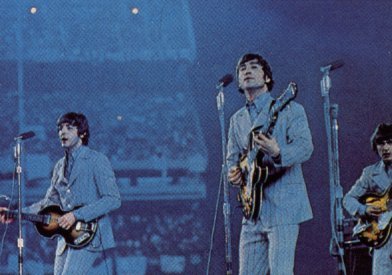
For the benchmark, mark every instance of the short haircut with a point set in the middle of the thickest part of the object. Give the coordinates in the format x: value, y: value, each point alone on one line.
x: 80, y: 121
x: 260, y: 60
x: 383, y: 132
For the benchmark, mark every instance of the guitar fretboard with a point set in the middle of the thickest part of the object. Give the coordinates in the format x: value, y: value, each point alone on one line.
x: 45, y: 219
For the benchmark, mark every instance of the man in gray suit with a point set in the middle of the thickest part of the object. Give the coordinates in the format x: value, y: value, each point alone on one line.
x: 268, y: 241
x: 84, y: 186
x: 375, y: 179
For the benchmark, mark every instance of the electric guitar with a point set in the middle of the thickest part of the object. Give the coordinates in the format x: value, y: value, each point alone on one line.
x: 78, y: 236
x: 375, y: 231
x: 255, y: 174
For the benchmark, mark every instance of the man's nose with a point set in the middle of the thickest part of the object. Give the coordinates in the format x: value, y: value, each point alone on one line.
x: 62, y: 130
x: 386, y: 146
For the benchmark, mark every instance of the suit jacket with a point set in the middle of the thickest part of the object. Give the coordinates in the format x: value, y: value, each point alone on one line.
x: 92, y: 187
x: 374, y: 179
x: 285, y: 199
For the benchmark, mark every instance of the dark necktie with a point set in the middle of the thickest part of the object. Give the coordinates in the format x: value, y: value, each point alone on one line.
x: 252, y: 112
x: 68, y: 165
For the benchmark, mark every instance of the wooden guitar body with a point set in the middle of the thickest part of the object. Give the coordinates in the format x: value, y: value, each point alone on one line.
x: 46, y: 223
x: 254, y: 172
x: 375, y: 231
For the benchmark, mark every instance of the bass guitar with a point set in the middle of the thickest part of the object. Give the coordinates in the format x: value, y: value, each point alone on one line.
x: 78, y: 236
x: 255, y: 173
x: 375, y: 231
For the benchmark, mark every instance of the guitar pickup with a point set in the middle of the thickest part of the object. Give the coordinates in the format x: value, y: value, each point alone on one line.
x: 80, y: 226
x: 82, y: 238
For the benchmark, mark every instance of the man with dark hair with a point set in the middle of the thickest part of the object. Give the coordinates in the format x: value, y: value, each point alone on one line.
x: 84, y: 186
x: 268, y: 241
x: 375, y: 179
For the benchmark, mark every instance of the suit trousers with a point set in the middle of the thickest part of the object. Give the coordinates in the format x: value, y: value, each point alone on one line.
x: 267, y: 249
x: 382, y: 259
x: 77, y: 261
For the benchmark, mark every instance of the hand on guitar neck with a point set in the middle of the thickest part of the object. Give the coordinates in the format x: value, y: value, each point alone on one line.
x: 66, y: 221
x: 268, y: 145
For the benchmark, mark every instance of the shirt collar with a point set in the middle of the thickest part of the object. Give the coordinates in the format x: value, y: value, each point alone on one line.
x: 260, y: 101
x: 76, y: 152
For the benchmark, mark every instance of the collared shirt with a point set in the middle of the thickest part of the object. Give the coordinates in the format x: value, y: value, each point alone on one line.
x: 285, y: 199
x: 388, y: 169
x: 374, y: 179
x: 256, y: 106
x: 69, y: 161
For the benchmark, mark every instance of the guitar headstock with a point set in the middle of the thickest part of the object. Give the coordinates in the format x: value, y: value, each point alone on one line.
x: 289, y: 94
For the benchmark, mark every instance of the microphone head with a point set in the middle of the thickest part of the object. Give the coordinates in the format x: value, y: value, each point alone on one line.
x: 226, y: 80
x: 26, y: 135
x: 332, y: 66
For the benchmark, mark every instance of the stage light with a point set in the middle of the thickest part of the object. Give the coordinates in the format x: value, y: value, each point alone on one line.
x: 33, y: 10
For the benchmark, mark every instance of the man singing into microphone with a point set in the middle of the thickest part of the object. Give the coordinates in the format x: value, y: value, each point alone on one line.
x: 268, y: 241
x: 375, y: 180
x: 84, y: 186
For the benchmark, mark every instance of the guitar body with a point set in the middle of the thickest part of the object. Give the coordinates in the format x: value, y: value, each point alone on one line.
x: 375, y: 231
x: 255, y: 173
x: 46, y: 223
x: 251, y: 199
x: 78, y: 236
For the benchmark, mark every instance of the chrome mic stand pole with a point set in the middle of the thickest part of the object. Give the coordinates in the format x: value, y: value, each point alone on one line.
x: 18, y: 170
x: 223, y: 82
x: 336, y: 191
x: 226, y: 194
x: 17, y: 155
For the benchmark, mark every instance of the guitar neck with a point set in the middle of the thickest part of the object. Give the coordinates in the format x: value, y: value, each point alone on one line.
x: 28, y: 217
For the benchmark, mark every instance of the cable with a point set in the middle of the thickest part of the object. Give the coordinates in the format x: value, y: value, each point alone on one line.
x: 214, y: 225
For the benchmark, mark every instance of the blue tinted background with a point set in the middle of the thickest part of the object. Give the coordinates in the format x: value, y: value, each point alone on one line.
x: 146, y: 82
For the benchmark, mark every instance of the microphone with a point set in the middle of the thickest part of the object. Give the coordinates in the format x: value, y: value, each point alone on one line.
x: 224, y: 81
x: 24, y: 136
x: 332, y: 66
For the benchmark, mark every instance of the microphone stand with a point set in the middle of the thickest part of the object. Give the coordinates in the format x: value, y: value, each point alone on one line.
x: 226, y: 193
x: 336, y: 190
x: 18, y: 169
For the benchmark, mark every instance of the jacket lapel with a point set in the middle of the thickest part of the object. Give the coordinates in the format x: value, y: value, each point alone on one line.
x: 381, y: 177
x: 262, y: 117
x: 77, y: 167
x: 60, y: 172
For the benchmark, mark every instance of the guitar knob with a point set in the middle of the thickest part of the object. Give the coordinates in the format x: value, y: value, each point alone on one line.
x: 78, y: 226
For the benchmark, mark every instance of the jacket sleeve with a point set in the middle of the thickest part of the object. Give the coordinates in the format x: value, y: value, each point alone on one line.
x: 351, y: 199
x: 108, y: 193
x: 298, y: 146
x: 233, y: 148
